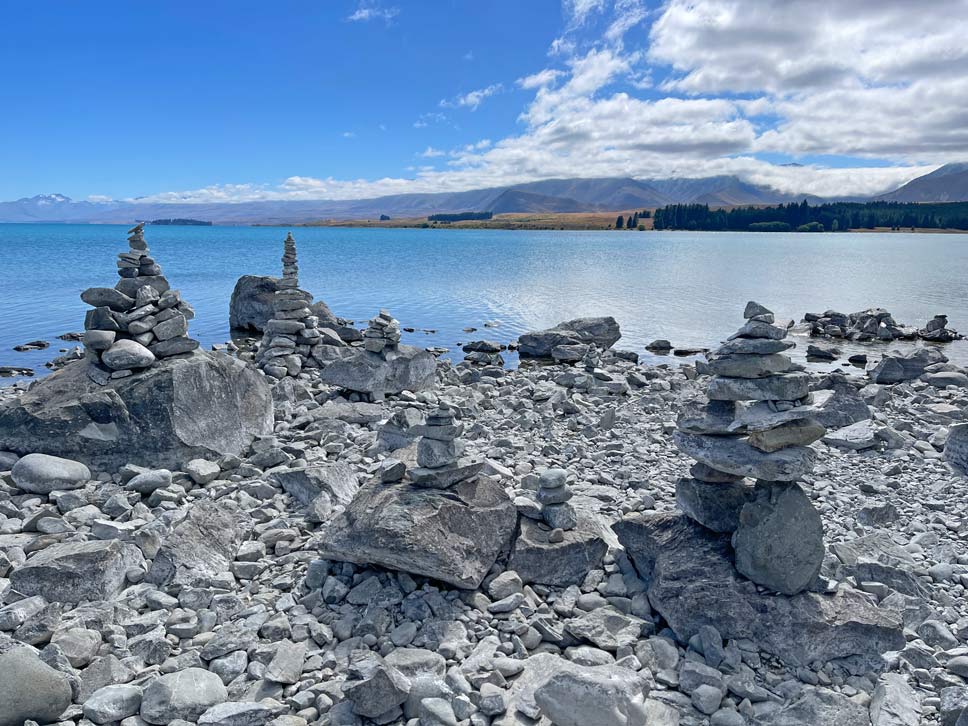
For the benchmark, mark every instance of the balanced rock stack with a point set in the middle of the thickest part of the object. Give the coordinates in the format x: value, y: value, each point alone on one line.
x: 382, y: 335
x: 137, y: 321
x: 439, y: 462
x: 758, y: 422
x: 553, y: 496
x: 483, y: 353
x: 291, y: 336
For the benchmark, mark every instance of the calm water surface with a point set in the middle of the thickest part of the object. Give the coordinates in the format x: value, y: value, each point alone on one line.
x: 687, y: 287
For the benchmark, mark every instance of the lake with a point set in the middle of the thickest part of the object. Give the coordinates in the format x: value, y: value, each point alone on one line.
x: 689, y: 288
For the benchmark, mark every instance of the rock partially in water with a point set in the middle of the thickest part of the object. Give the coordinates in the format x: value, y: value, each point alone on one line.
x: 602, y: 332
x: 693, y: 583
x: 199, y: 406
x: 896, y: 366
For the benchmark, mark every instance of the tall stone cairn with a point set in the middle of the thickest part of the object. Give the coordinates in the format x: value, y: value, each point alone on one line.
x: 136, y: 322
x: 757, y: 421
x: 382, y: 334
x: 440, y: 464
x: 293, y: 330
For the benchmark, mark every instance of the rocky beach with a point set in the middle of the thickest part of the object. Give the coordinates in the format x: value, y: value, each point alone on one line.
x: 332, y: 527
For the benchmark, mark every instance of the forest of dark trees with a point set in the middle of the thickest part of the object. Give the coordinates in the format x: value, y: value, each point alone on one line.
x: 831, y: 217
x: 459, y: 216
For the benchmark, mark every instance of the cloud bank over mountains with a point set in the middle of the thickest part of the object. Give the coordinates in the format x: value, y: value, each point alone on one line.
x: 803, y: 96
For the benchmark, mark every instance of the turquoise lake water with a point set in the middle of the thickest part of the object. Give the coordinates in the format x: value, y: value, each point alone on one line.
x: 687, y: 287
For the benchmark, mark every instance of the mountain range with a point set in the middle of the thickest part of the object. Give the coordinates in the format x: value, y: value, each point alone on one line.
x: 948, y: 183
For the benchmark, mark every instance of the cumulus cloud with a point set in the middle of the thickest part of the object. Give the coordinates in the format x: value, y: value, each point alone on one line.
x: 473, y: 99
x: 367, y: 11
x: 540, y: 79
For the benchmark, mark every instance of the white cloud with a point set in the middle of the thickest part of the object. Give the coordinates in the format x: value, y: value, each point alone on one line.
x: 578, y: 11
x: 348, y: 134
x: 367, y: 11
x: 542, y: 78
x: 430, y: 152
x: 473, y: 99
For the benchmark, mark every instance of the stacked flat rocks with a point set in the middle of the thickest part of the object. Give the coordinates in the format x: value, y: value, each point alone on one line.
x: 136, y: 322
x: 758, y: 422
x: 292, y: 339
x: 483, y: 353
x: 553, y: 496
x: 382, y: 335
x: 439, y: 461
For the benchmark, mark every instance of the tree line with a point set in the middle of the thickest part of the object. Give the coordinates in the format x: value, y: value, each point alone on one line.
x: 802, y: 217
x: 460, y: 216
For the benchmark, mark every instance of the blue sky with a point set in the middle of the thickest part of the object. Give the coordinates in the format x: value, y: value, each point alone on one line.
x: 241, y: 100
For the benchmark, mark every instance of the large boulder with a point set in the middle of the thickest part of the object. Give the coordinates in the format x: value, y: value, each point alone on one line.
x: 200, y: 546
x: 184, y: 695
x: 816, y: 706
x: 693, y: 583
x: 602, y: 332
x: 76, y: 571
x: 43, y: 474
x: 956, y: 448
x: 29, y: 688
x: 537, y: 558
x: 454, y: 535
x: 201, y: 405
x: 604, y: 694
x: 896, y: 366
x: 250, y: 306
x: 337, y: 481
x: 404, y: 368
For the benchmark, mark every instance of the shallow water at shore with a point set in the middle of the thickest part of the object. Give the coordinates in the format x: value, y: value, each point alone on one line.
x: 687, y: 287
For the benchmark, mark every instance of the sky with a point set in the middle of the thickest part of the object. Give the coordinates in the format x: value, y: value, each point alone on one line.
x: 239, y: 100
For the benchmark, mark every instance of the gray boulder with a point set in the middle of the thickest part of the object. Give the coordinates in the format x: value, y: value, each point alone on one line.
x: 816, y: 706
x: 780, y: 387
x: 856, y: 437
x: 374, y: 688
x: 896, y: 366
x: 894, y: 702
x: 201, y: 545
x: 336, y: 481
x: 558, y: 564
x: 404, y: 368
x: 29, y: 688
x: 779, y: 538
x: 185, y: 695
x: 76, y: 571
x: 250, y: 306
x: 715, y: 506
x: 453, y: 536
x: 602, y: 332
x: 608, y: 695
x: 956, y: 448
x: 693, y: 583
x: 202, y: 405
x: 113, y: 703
x: 43, y: 474
x: 839, y: 408
x: 736, y: 456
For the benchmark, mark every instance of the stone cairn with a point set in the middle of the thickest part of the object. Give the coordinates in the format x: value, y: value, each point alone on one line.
x: 553, y: 496
x: 439, y: 462
x: 382, y: 334
x: 758, y: 422
x: 136, y: 322
x: 292, y: 333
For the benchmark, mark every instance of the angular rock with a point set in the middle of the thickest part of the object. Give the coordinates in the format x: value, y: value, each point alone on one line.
x: 715, y: 506
x: 453, y: 535
x: 896, y: 366
x: 405, y: 368
x: 894, y: 702
x: 185, y: 694
x: 736, y: 456
x: 749, y: 366
x: 817, y: 706
x: 203, y: 405
x: 200, y: 546
x: 250, y: 306
x: 373, y: 687
x: 237, y: 713
x: 113, y: 703
x: 606, y: 628
x: 602, y: 332
x: 781, y: 387
x: 779, y: 539
x: 956, y: 448
x: 338, y: 481
x: 29, y: 688
x: 76, y: 571
x: 801, y: 432
x: 43, y: 474
x: 693, y: 583
x: 857, y: 437
x: 607, y: 695
x: 558, y: 564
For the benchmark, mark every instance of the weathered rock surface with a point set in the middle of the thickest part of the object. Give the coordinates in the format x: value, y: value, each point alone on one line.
x: 76, y: 571
x: 250, y: 306
x: 42, y: 474
x: 602, y: 332
x: 453, y: 536
x: 735, y: 456
x: 956, y: 448
x: 29, y: 688
x: 693, y: 583
x: 338, y: 482
x: 715, y: 506
x: 818, y: 706
x: 896, y: 366
x: 606, y: 695
x: 405, y: 368
x: 566, y: 562
x: 184, y: 695
x: 202, y: 405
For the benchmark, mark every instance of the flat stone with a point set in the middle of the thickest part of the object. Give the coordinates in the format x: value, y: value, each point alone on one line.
x: 857, y: 437
x: 736, y: 456
x: 759, y: 329
x: 802, y: 432
x: 779, y: 539
x: 107, y: 297
x: 782, y: 387
x: 453, y: 536
x: 606, y: 628
x: 43, y: 474
x: 558, y: 564
x: 447, y: 476
x: 754, y: 346
x: 404, y: 368
x: 749, y: 366
x: 580, y: 696
x: 337, y: 481
x: 75, y: 571
x: 693, y: 583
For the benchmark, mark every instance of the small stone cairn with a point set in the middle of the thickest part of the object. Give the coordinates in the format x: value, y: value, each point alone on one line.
x: 382, y: 335
x: 136, y: 322
x: 439, y: 461
x: 556, y: 509
x: 483, y: 353
x: 292, y: 333
x: 758, y: 422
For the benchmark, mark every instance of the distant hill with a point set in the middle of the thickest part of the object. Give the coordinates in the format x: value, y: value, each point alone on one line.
x: 947, y: 184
